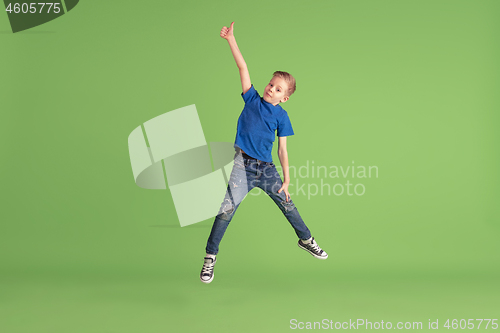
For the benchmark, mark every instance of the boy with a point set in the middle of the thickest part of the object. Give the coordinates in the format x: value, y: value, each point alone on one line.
x: 253, y: 166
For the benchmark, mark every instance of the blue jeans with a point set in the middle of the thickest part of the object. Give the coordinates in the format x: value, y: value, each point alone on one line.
x: 248, y: 173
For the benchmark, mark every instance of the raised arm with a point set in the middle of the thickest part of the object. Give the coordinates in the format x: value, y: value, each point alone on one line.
x: 227, y: 34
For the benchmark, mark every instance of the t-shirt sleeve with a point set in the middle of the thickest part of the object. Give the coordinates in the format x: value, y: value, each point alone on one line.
x: 250, y: 95
x: 285, y: 126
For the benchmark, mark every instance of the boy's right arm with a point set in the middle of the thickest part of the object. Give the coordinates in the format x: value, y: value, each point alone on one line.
x: 227, y: 33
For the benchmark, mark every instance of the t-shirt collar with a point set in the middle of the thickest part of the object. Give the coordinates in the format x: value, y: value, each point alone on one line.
x: 275, y: 106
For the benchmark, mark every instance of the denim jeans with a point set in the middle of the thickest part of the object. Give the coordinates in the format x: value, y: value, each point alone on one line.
x: 248, y: 173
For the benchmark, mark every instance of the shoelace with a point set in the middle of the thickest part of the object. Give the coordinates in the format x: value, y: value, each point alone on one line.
x: 314, y: 247
x: 208, y: 267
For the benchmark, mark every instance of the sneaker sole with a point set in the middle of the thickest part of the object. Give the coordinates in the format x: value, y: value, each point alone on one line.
x: 315, y: 256
x: 208, y: 281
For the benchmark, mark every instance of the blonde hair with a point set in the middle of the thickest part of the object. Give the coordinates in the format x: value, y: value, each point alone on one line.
x: 289, y: 79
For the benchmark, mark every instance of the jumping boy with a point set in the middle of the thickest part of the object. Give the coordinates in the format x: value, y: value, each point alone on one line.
x: 253, y: 165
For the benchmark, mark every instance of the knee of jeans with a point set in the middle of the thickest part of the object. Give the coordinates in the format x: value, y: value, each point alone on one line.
x: 287, y: 206
x: 227, y: 210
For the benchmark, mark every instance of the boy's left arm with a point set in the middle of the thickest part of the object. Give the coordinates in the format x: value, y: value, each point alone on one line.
x: 283, y: 156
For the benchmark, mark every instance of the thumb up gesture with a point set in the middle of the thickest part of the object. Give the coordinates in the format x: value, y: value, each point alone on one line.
x: 226, y: 32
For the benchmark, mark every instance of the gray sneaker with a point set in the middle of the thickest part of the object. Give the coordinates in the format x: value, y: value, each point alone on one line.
x: 313, y: 248
x: 207, y: 272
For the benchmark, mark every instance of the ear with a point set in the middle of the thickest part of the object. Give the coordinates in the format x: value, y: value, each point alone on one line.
x: 284, y: 99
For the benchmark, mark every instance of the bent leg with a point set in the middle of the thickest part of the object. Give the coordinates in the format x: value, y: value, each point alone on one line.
x: 271, y: 183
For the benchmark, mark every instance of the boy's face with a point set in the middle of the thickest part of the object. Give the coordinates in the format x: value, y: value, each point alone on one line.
x: 275, y: 91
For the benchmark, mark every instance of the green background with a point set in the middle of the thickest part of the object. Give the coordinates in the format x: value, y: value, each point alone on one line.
x: 408, y: 86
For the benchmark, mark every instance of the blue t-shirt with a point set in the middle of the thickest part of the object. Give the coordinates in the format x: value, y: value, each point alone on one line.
x: 257, y: 125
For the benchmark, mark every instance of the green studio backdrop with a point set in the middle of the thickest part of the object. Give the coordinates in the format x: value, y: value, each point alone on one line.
x: 409, y: 88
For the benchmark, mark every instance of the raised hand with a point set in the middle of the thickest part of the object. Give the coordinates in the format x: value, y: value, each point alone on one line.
x: 226, y: 32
